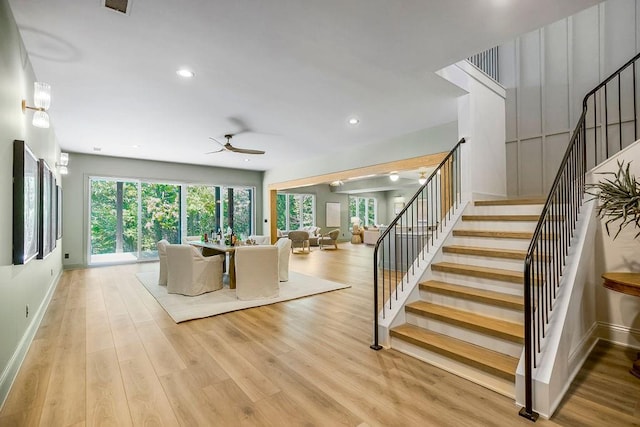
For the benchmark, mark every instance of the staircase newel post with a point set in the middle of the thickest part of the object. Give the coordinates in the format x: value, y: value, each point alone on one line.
x: 527, y: 412
x: 375, y: 345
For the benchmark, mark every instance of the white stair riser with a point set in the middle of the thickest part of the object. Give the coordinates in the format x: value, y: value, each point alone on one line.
x: 498, y: 225
x: 486, y: 309
x: 490, y: 242
x: 478, y: 282
x: 504, y: 210
x: 478, y: 338
x: 482, y: 261
x: 492, y: 382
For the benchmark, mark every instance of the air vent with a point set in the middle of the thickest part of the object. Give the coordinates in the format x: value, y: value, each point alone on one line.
x: 122, y: 6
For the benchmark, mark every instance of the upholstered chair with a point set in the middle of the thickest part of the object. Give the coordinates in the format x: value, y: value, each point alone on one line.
x: 260, y: 240
x: 299, y: 239
x: 257, y: 272
x: 284, y: 247
x: 162, y: 254
x: 330, y: 238
x: 187, y: 239
x: 190, y: 273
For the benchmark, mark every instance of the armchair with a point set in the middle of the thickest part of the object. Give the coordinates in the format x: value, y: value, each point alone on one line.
x: 162, y: 254
x: 257, y: 272
x: 284, y: 246
x: 330, y: 238
x: 299, y: 239
x: 191, y: 273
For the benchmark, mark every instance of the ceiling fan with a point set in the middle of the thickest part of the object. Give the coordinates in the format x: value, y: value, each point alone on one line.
x: 228, y: 147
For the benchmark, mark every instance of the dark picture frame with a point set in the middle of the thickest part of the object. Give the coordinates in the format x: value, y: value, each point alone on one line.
x: 45, y: 217
x: 59, y: 211
x: 25, y: 203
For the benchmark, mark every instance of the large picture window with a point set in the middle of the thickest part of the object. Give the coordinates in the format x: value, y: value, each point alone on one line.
x: 128, y: 217
x: 365, y: 208
x: 295, y: 210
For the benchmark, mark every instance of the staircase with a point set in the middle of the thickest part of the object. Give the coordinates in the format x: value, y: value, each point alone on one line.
x: 469, y: 318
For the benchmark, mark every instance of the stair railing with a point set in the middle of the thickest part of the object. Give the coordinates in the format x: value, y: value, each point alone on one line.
x: 487, y: 62
x: 410, y: 236
x: 602, y: 131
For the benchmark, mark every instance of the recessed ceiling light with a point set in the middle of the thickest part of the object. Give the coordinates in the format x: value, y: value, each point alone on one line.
x: 186, y: 73
x: 97, y: 149
x: 135, y: 146
x: 354, y: 121
x: 393, y: 176
x: 247, y: 160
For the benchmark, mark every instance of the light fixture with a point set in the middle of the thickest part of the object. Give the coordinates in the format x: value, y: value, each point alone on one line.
x: 42, y: 101
x: 422, y: 179
x: 393, y: 176
x: 62, y: 163
x: 354, y: 121
x: 337, y: 183
x: 185, y: 72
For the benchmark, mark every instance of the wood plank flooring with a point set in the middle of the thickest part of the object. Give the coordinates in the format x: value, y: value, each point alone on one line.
x: 107, y: 354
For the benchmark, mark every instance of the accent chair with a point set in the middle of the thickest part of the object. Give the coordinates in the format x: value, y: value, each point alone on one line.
x: 299, y: 239
x: 190, y: 273
x: 330, y: 238
x: 257, y: 272
x: 162, y: 254
x: 284, y: 248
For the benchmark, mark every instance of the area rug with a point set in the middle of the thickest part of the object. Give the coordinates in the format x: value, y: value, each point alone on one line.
x: 182, y: 308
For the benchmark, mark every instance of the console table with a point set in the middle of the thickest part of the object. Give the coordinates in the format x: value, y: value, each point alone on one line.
x: 627, y: 283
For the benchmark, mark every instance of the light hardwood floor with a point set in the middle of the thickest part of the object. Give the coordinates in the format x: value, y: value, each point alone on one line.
x: 107, y: 354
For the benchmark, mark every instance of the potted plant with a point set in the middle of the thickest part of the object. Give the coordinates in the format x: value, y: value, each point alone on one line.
x: 619, y: 196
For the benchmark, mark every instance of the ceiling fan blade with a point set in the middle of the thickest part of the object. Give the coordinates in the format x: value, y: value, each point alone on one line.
x: 213, y: 152
x: 215, y: 140
x: 244, y: 150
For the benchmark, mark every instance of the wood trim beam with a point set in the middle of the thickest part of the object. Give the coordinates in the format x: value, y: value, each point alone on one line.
x: 397, y: 165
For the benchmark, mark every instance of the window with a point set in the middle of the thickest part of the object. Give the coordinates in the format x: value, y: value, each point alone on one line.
x: 203, y: 209
x: 237, y: 211
x: 365, y: 208
x: 128, y: 217
x: 295, y: 210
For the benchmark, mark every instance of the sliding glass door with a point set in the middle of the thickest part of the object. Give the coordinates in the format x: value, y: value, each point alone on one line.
x: 160, y: 216
x: 127, y: 218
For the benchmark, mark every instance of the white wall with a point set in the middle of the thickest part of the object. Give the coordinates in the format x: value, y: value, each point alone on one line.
x: 618, y: 314
x: 481, y: 121
x: 547, y: 73
x: 82, y: 166
x: 427, y: 141
x: 32, y: 283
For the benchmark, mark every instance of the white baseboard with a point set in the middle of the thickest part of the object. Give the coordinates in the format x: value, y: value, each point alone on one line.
x: 11, y: 371
x: 622, y: 335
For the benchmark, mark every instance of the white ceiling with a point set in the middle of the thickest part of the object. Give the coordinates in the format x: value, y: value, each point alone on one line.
x: 284, y: 74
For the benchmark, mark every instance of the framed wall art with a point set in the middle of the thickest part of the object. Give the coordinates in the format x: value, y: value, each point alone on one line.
x: 25, y: 203
x: 45, y: 216
x: 333, y: 214
x: 59, y: 211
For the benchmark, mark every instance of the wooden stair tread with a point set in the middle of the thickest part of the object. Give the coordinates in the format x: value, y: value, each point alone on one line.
x: 495, y: 234
x: 488, y: 252
x: 499, y: 299
x: 491, y: 326
x: 510, y: 202
x: 532, y: 218
x: 498, y: 364
x: 478, y: 271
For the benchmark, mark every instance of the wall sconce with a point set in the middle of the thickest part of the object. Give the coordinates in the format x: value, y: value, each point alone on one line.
x: 42, y: 101
x: 62, y: 163
x: 393, y: 176
x: 422, y: 179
